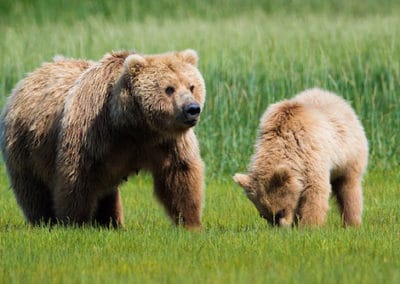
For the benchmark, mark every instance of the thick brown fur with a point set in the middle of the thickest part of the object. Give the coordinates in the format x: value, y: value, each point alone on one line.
x: 73, y: 130
x: 306, y: 147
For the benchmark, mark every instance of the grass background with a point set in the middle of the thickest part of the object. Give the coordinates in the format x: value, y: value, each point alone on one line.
x: 252, y: 53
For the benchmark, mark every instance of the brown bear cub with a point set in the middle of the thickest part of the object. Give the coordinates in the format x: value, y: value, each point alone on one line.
x: 307, y: 147
x: 73, y: 130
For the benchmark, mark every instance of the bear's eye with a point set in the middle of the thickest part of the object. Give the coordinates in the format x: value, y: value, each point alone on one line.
x: 169, y: 90
x: 191, y: 88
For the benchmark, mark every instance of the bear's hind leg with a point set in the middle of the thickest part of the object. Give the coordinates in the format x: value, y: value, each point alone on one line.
x: 109, y: 210
x: 74, y: 206
x: 348, y: 192
x: 34, y: 198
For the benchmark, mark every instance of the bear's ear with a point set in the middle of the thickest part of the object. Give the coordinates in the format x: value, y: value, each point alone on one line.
x: 190, y: 56
x: 280, y: 177
x: 245, y: 182
x: 134, y: 63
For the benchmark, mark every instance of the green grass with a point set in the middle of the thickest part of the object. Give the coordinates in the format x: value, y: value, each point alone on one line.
x: 252, y: 53
x: 234, y: 246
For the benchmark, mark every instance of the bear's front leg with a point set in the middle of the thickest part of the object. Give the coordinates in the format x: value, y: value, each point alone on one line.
x: 314, y: 202
x: 178, y: 174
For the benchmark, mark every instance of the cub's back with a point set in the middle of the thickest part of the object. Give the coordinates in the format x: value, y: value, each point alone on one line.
x: 339, y: 127
x: 335, y: 112
x: 328, y: 103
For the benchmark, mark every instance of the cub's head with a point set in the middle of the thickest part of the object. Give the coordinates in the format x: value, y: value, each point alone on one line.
x: 275, y: 196
x: 167, y: 89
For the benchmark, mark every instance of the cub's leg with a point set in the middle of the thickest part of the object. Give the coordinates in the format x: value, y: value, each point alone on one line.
x: 314, y: 202
x: 348, y: 192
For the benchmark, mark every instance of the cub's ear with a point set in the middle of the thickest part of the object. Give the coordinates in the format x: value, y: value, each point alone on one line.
x: 245, y: 182
x: 190, y: 56
x: 280, y: 176
x: 134, y: 63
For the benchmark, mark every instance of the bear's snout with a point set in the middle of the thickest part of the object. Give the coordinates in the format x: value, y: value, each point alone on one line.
x: 191, y: 112
x: 278, y: 216
x: 277, y: 219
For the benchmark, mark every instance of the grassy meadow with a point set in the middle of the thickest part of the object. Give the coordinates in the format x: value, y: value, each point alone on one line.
x: 252, y: 53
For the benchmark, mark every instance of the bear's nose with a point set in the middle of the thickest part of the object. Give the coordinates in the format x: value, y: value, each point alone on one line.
x: 278, y: 216
x: 191, y: 111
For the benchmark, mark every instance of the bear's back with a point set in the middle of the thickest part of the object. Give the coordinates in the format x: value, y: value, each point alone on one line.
x: 31, y: 117
x: 315, y: 125
x: 338, y: 128
x: 40, y: 96
x: 330, y: 104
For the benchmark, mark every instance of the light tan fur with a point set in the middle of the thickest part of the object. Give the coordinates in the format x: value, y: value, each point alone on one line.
x: 73, y: 130
x: 307, y: 147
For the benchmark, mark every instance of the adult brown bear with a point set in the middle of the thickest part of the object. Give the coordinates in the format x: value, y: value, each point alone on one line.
x: 73, y: 130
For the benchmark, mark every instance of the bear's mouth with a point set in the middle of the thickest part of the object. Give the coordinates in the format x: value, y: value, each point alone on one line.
x: 186, y: 122
x: 190, y: 122
x: 277, y: 219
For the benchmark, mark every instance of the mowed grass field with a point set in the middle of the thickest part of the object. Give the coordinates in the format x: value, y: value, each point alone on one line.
x: 252, y: 53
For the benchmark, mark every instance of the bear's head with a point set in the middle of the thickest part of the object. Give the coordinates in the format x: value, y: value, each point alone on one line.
x: 166, y: 91
x: 276, y: 196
